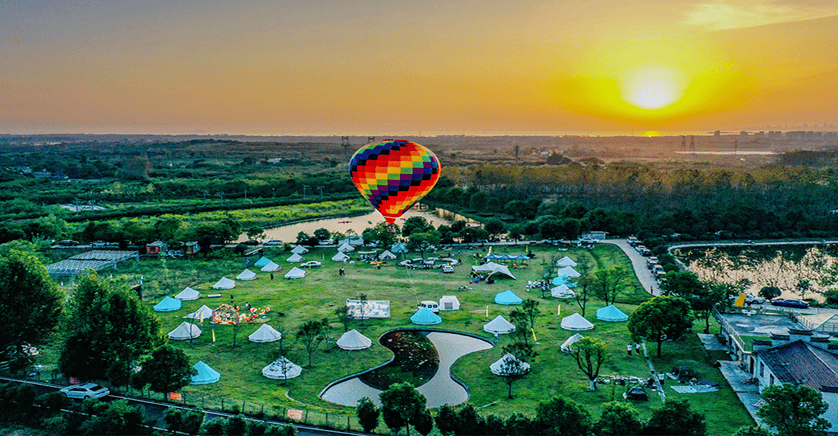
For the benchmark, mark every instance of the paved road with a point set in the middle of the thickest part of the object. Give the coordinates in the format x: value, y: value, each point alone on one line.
x: 638, y: 262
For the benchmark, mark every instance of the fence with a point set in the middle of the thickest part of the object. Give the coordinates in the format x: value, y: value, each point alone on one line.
x: 274, y: 412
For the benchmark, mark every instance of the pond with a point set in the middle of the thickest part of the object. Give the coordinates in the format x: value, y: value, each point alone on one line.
x: 343, y: 224
x: 420, y: 356
x: 758, y: 266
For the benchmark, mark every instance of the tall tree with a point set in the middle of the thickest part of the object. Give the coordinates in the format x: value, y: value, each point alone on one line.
x: 30, y: 302
x: 619, y: 419
x: 109, y: 331
x: 423, y: 241
x: 794, y: 411
x: 322, y: 234
x: 367, y: 414
x: 311, y: 334
x: 562, y: 417
x: 167, y: 370
x: 515, y: 369
x: 676, y: 417
x: 415, y: 224
x: 590, y: 354
x: 585, y: 285
x: 701, y: 296
x: 402, y: 404
x: 661, y: 318
x: 609, y: 283
x: 530, y: 309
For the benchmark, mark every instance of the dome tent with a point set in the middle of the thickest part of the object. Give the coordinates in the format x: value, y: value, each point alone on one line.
x: 499, y: 369
x: 398, y: 248
x: 271, y: 267
x: 167, y: 304
x: 294, y: 258
x: 425, y: 316
x: 224, y: 283
x: 264, y: 334
x: 566, y: 261
x: 499, y: 325
x: 206, y: 311
x: 611, y: 313
x: 508, y: 298
x: 566, y: 344
x: 346, y: 247
x: 295, y: 273
x: 386, y: 255
x: 262, y: 262
x: 449, y: 302
x: 282, y: 369
x: 299, y: 249
x: 568, y: 271
x: 354, y: 340
x: 188, y: 294
x: 246, y: 275
x: 205, y: 375
x: 185, y: 331
x: 561, y: 280
x: 562, y: 291
x: 576, y: 322
x: 340, y: 257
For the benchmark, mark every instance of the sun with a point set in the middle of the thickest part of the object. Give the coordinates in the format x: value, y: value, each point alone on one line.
x: 652, y: 88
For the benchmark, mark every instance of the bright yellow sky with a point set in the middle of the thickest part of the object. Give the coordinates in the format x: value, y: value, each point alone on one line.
x: 401, y: 67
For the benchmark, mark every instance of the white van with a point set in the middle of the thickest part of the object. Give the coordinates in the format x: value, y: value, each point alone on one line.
x: 432, y: 305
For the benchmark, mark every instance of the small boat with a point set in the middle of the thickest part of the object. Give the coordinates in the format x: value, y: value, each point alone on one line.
x: 344, y: 222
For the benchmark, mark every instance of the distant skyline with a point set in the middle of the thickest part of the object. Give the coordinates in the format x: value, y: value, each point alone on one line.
x: 295, y: 67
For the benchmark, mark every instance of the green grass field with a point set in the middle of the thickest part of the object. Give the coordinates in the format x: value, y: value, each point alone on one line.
x: 317, y: 296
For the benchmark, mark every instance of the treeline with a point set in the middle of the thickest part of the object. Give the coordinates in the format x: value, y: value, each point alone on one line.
x: 55, y: 414
x: 681, y: 203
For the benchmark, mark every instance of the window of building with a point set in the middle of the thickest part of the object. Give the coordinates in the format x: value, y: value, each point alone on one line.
x: 761, y: 369
x: 771, y: 380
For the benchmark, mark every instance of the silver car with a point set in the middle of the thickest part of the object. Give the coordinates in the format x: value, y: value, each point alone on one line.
x: 89, y: 390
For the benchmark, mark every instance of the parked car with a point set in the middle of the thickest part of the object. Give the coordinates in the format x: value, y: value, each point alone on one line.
x: 433, y: 306
x: 273, y: 242
x: 311, y: 264
x: 89, y: 390
x: 750, y: 299
x: 799, y: 304
x: 447, y: 269
x: 68, y: 243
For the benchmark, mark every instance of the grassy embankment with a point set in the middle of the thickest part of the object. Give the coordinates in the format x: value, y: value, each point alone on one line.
x: 316, y: 296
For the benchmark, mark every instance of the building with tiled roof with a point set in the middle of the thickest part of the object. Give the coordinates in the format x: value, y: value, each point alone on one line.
x: 800, y: 358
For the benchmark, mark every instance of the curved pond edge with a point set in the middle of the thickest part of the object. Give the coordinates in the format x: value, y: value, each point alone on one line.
x: 419, y: 329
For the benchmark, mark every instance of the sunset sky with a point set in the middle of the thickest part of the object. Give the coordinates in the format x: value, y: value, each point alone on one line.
x: 383, y: 66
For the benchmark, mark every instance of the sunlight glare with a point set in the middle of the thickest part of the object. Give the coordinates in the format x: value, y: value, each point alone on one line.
x: 652, y: 88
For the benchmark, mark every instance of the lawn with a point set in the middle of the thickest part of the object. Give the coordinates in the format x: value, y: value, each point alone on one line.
x: 316, y: 296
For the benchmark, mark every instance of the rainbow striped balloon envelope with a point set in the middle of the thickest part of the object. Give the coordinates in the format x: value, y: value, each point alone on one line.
x: 394, y: 174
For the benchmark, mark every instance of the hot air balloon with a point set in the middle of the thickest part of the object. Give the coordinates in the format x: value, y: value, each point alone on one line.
x: 393, y: 175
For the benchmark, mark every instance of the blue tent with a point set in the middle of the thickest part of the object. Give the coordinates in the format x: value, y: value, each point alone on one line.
x: 398, y: 248
x: 205, y: 376
x: 262, y: 262
x: 494, y: 256
x: 167, y: 304
x: 561, y: 280
x: 611, y: 313
x: 521, y: 257
x: 425, y: 316
x: 508, y: 297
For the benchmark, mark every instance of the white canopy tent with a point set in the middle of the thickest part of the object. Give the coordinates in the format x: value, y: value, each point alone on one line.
x: 499, y: 326
x: 295, y: 273
x: 498, y: 367
x: 346, y: 247
x: 354, y: 340
x: 576, y: 322
x: 184, y: 331
x: 246, y: 275
x: 562, y: 291
x: 206, y: 311
x: 386, y: 255
x: 264, y: 334
x: 449, y: 302
x: 568, y: 271
x: 299, y: 249
x: 566, y: 261
x: 295, y: 258
x: 340, y: 257
x: 188, y: 294
x: 224, y: 283
x: 566, y: 344
x: 493, y: 268
x: 281, y: 369
x: 271, y: 267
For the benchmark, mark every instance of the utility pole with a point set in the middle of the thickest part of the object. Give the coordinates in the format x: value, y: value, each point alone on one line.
x: 221, y: 196
x: 304, y: 190
x: 321, y: 191
x: 205, y: 197
x: 344, y: 142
